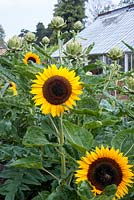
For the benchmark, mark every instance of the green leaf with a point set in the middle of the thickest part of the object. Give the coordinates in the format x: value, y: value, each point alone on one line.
x: 130, y: 47
x: 13, y: 102
x: 63, y: 192
x: 84, y: 191
x: 124, y: 140
x: 93, y: 124
x: 90, y: 67
x: 42, y: 195
x: 106, y: 105
x: 86, y: 111
x: 31, y: 162
x: 35, y: 137
x: 108, y: 193
x: 78, y: 137
x: 109, y: 122
x: 10, y: 196
x: 110, y: 190
x: 44, y: 53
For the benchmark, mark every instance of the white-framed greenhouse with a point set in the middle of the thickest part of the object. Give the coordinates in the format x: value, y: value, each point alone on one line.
x: 108, y: 31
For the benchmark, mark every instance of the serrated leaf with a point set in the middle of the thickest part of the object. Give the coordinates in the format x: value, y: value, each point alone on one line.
x: 108, y: 193
x: 78, y: 137
x: 35, y: 137
x: 124, y: 140
x: 86, y: 111
x: 63, y: 192
x: 93, y: 124
x: 110, y: 190
x: 42, y: 195
x: 109, y: 122
x: 13, y: 102
x: 31, y: 162
x: 84, y: 191
x: 44, y: 53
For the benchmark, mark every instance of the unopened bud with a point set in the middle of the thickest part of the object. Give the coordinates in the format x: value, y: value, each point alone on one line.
x: 58, y: 22
x: 14, y: 43
x: 74, y: 48
x: 45, y: 40
x: 30, y: 37
x: 78, y: 26
x: 115, y: 53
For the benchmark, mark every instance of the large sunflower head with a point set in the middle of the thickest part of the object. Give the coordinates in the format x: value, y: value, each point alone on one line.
x: 56, y: 90
x: 105, y: 166
x: 31, y: 57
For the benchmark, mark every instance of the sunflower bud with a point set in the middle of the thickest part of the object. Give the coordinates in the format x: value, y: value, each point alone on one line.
x: 58, y: 22
x: 14, y: 43
x: 30, y: 37
x: 78, y: 26
x: 45, y: 40
x: 115, y: 53
x: 74, y: 48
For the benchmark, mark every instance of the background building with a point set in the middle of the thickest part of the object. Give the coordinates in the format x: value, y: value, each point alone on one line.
x: 108, y: 31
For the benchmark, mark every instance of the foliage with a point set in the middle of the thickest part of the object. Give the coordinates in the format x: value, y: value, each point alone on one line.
x: 126, y: 2
x: 2, y: 36
x: 40, y: 32
x: 71, y: 11
x: 32, y: 151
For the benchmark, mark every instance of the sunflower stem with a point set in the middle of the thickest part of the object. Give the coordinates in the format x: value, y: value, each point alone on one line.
x: 63, y: 161
x: 55, y: 177
x: 59, y: 45
x: 57, y: 132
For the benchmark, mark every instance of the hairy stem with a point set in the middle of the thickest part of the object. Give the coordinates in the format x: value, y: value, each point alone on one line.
x: 63, y: 161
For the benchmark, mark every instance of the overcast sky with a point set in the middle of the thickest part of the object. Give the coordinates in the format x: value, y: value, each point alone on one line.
x: 25, y: 14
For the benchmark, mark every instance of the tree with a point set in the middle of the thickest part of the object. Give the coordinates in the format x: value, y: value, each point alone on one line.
x: 2, y: 36
x: 40, y: 32
x: 71, y: 11
x: 2, y: 32
x: 95, y: 7
x: 23, y: 32
x: 126, y: 2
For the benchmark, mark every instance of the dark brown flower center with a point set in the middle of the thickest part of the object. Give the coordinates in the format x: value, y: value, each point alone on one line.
x: 57, y: 90
x: 32, y: 59
x: 103, y: 172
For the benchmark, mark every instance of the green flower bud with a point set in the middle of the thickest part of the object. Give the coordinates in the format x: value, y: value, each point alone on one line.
x: 14, y: 43
x: 30, y: 37
x: 58, y: 22
x: 78, y: 26
x: 115, y: 53
x: 74, y: 48
x: 45, y: 40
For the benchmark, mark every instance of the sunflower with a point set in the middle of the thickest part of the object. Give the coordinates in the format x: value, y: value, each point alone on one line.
x: 12, y: 86
x: 105, y: 166
x: 56, y: 90
x: 31, y: 57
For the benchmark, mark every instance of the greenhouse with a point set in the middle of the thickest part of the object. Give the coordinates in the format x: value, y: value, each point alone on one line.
x: 108, y: 31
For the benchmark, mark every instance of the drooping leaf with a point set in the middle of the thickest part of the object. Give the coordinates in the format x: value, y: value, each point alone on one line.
x: 84, y: 191
x: 93, y: 124
x: 35, y: 137
x: 86, y: 111
x: 78, y: 137
x: 63, y: 192
x: 124, y: 140
x: 42, y: 195
x: 31, y: 162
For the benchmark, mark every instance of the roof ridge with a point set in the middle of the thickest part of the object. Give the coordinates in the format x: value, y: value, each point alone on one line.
x: 117, y: 9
